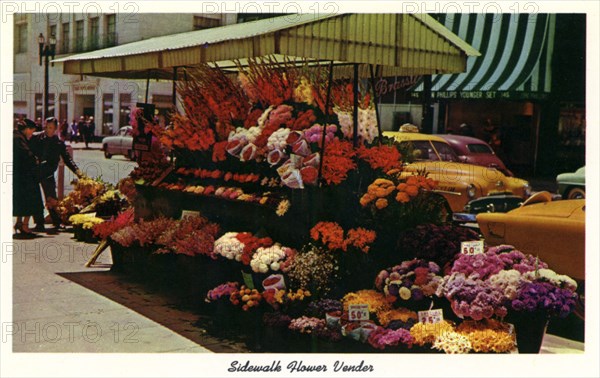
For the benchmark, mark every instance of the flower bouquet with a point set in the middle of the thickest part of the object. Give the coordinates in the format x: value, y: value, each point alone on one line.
x: 410, y: 284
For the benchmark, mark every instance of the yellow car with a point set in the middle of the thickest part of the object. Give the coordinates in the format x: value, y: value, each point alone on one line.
x: 458, y: 183
x: 552, y: 230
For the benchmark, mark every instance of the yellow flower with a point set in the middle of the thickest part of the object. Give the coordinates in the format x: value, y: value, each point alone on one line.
x: 404, y: 293
x: 282, y: 208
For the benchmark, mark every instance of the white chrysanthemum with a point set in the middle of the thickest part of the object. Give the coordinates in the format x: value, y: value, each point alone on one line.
x: 559, y: 280
x: 277, y: 140
x: 229, y: 246
x: 452, y: 343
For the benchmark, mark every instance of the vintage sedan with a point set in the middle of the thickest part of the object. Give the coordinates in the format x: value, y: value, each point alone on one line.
x: 475, y: 151
x: 572, y: 185
x: 552, y: 230
x: 458, y: 183
x: 119, y: 144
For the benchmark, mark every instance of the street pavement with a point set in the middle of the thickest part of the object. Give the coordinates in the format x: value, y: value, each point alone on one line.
x: 52, y: 313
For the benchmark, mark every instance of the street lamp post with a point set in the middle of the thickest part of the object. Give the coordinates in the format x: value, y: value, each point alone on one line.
x: 47, y: 50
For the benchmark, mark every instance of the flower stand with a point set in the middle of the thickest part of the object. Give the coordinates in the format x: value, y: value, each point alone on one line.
x: 530, y: 329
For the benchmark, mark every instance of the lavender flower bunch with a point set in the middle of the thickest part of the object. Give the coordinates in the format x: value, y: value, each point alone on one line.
x: 545, y: 297
x: 381, y: 338
x: 472, y: 297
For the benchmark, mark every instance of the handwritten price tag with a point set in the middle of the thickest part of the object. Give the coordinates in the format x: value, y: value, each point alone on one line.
x: 189, y: 213
x: 358, y: 312
x: 431, y: 316
x: 471, y: 247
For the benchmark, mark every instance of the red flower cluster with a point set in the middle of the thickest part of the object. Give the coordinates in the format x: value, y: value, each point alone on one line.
x: 219, y: 151
x: 105, y: 229
x: 304, y: 120
x: 251, y: 244
x: 360, y: 238
x: 384, y: 157
x: 252, y: 118
x: 271, y: 84
x: 421, y: 276
x: 193, y: 236
x: 331, y: 235
x: 337, y: 161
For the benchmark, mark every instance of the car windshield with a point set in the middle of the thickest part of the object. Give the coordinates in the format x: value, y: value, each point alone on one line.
x: 479, y: 149
x: 445, y: 151
x: 431, y: 151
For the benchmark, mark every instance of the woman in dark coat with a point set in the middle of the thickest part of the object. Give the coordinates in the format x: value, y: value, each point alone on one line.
x: 27, y: 198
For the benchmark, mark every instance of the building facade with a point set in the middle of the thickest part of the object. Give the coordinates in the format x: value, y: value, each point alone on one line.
x: 70, y: 96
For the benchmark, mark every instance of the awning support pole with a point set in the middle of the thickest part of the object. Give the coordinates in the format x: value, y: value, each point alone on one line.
x: 174, y: 87
x: 327, y: 102
x: 355, y: 107
x: 147, y: 87
x: 376, y: 101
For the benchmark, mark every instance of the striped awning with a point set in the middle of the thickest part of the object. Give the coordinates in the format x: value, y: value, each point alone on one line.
x: 402, y: 44
x: 515, y: 62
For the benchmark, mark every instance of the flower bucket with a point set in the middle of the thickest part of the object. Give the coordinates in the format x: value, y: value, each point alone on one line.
x: 530, y: 328
x: 333, y: 319
x: 274, y: 281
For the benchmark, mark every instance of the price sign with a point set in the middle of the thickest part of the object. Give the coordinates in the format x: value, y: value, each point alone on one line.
x: 189, y: 213
x: 431, y: 316
x: 471, y: 247
x: 358, y: 312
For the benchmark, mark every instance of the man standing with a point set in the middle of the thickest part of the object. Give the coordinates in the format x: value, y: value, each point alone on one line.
x: 82, y: 127
x: 91, y: 130
x: 50, y: 149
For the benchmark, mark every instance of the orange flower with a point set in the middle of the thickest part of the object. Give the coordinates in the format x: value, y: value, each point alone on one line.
x: 361, y: 238
x: 412, y: 190
x: 381, y: 203
x: 402, y: 197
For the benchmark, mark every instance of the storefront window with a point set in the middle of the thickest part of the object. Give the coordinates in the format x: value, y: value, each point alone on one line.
x: 124, y: 109
x: 571, y: 126
x: 107, y: 114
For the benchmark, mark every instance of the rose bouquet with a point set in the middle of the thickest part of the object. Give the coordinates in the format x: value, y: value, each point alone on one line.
x: 412, y: 280
x: 229, y: 246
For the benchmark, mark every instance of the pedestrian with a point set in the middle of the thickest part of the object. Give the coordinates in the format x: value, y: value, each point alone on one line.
x: 73, y: 130
x: 466, y: 130
x: 49, y: 149
x: 81, y: 128
x: 91, y: 130
x: 64, y: 130
x: 27, y: 199
x: 38, y: 124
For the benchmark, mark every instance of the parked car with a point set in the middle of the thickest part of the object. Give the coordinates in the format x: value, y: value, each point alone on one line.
x: 119, y: 144
x: 459, y: 183
x: 475, y: 151
x: 552, y: 230
x: 572, y: 185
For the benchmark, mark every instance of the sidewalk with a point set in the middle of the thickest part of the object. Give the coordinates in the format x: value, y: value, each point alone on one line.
x: 52, y: 313
x: 81, y: 145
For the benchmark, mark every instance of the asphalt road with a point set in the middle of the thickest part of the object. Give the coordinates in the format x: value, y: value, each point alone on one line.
x: 93, y: 163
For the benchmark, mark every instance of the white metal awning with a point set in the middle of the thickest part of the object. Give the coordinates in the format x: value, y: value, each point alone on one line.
x: 403, y: 44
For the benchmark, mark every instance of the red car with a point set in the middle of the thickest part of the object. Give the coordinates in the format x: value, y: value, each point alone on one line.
x: 475, y: 151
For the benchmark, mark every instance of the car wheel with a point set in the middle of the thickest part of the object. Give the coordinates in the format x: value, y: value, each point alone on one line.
x: 575, y: 193
x: 106, y: 153
x: 131, y: 154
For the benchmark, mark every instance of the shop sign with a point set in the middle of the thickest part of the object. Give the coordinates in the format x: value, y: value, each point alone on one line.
x: 431, y: 316
x: 471, y: 247
x: 358, y: 312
